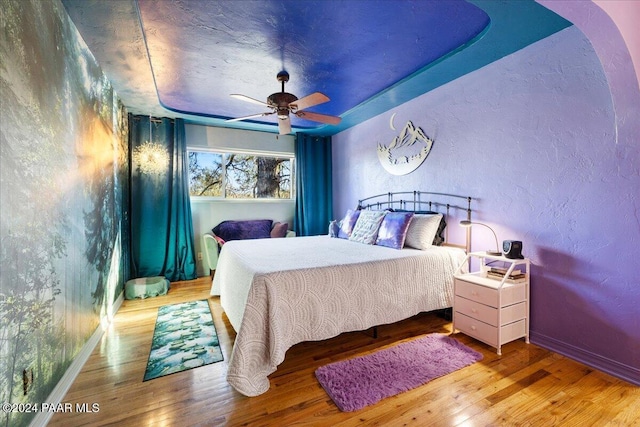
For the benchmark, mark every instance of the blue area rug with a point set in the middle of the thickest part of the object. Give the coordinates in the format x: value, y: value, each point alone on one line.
x: 184, y: 338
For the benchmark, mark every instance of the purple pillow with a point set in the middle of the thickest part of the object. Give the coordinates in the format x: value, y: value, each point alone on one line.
x: 393, y: 229
x: 348, y: 222
x: 240, y: 230
x: 279, y: 229
x: 334, y: 228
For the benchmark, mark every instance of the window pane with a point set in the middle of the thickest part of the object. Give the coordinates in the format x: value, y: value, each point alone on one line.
x: 205, y: 174
x: 273, y: 178
x: 241, y: 176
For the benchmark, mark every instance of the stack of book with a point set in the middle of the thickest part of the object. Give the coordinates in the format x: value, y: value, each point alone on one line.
x: 516, y: 276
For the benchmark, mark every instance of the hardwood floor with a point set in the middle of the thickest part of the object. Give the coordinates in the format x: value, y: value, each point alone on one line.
x: 527, y: 386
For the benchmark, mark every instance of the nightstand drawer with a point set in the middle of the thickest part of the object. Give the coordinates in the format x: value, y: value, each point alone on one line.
x: 477, y: 293
x: 512, y: 293
x: 489, y: 314
x: 476, y: 310
x: 477, y: 329
x: 487, y: 333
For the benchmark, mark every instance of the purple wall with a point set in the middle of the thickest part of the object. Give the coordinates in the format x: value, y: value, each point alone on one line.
x: 534, y: 138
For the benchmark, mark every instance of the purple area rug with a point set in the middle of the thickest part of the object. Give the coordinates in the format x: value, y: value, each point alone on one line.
x: 355, y: 383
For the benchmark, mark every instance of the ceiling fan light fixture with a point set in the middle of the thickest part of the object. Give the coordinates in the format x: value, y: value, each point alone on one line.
x: 283, y: 113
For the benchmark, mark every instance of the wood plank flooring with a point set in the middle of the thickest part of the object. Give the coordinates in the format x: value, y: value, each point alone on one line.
x: 527, y: 386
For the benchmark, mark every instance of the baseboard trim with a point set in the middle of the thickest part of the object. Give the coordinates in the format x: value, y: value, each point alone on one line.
x: 70, y: 375
x: 604, y: 364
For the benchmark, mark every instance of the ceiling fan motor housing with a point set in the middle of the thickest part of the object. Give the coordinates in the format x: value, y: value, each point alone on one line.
x: 280, y: 101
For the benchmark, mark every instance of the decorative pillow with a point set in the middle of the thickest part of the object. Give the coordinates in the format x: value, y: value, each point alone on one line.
x: 439, y: 239
x: 348, y: 222
x: 334, y: 228
x: 393, y: 229
x: 240, y: 230
x: 367, y: 226
x: 279, y: 229
x: 422, y: 231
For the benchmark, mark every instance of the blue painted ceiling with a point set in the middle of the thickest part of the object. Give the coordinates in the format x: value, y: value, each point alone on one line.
x: 183, y: 58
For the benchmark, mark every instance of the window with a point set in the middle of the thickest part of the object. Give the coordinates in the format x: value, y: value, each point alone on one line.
x: 240, y: 176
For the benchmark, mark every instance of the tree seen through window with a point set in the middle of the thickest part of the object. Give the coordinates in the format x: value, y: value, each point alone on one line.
x: 239, y: 176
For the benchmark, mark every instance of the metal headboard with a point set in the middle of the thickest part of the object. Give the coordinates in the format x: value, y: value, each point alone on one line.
x: 420, y: 201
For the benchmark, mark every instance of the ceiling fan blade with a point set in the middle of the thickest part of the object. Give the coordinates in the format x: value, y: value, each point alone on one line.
x: 309, y: 101
x: 237, y: 119
x: 284, y: 125
x: 317, y: 117
x: 248, y: 99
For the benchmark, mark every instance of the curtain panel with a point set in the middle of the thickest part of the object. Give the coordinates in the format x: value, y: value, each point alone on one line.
x: 314, y: 208
x: 161, y: 223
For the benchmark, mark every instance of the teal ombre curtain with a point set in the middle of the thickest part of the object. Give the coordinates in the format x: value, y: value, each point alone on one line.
x: 161, y: 225
x: 313, y: 185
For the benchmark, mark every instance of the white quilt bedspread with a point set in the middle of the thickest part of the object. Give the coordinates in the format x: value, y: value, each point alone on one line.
x: 280, y: 292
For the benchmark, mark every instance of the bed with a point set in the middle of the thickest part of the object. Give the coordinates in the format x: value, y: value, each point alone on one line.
x: 280, y: 292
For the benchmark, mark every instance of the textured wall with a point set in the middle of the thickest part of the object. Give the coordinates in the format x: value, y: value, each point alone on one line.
x: 534, y: 138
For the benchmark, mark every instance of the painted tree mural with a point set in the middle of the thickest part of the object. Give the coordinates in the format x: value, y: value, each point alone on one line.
x: 62, y: 198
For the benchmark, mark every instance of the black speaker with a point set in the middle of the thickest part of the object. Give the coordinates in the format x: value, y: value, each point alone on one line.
x: 512, y: 249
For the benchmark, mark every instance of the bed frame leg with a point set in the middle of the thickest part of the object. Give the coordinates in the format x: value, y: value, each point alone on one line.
x: 446, y: 313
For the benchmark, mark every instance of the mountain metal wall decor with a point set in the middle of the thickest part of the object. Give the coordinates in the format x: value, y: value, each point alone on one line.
x: 406, y: 152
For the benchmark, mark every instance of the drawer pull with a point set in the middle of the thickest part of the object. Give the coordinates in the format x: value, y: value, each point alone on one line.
x: 473, y: 328
x: 473, y: 310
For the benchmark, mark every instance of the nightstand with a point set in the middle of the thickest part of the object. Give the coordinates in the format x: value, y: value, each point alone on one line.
x: 494, y: 310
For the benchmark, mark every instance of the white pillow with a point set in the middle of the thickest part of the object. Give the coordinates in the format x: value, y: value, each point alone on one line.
x: 366, y: 228
x: 422, y: 230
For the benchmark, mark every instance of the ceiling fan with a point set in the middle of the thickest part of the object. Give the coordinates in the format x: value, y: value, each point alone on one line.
x: 283, y: 104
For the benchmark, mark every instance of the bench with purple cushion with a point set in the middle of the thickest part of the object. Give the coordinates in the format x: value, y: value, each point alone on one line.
x: 240, y: 230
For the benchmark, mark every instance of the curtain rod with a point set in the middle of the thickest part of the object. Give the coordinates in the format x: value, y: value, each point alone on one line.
x: 154, y: 119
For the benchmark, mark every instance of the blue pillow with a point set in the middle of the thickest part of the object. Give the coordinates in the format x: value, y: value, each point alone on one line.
x: 334, y: 228
x: 393, y: 229
x: 348, y: 222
